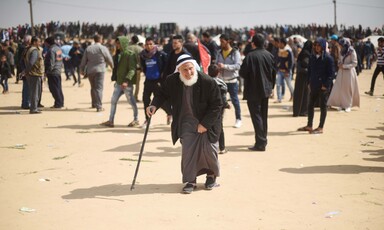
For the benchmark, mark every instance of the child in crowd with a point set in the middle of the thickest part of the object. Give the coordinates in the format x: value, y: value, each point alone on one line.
x: 213, y: 71
x: 5, y: 72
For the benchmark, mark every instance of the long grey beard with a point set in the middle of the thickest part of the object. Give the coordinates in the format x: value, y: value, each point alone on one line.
x: 191, y: 81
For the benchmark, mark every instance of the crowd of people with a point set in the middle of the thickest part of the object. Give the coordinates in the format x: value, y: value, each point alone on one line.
x: 189, y: 78
x: 87, y: 30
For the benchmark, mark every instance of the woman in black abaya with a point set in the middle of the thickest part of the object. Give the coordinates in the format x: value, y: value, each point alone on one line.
x: 300, y: 96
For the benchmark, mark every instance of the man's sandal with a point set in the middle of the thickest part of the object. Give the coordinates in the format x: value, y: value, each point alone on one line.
x: 305, y: 129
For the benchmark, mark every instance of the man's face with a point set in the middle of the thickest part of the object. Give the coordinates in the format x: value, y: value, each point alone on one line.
x: 381, y: 43
x: 176, y: 44
x: 281, y: 45
x: 118, y: 46
x: 38, y: 43
x: 224, y: 43
x: 149, y: 45
x: 187, y: 70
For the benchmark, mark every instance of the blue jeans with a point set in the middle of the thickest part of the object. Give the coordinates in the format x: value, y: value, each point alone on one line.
x: 280, y: 83
x: 233, y: 89
x: 4, y: 83
x: 117, y: 92
x: 368, y: 60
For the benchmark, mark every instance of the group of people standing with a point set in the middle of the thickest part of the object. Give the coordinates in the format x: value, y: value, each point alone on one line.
x: 194, y: 101
x: 317, y: 81
x: 37, y: 61
x: 338, y: 70
x: 157, y: 64
x: 34, y: 67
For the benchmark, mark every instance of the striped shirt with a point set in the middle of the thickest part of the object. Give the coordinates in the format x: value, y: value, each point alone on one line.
x: 380, y: 56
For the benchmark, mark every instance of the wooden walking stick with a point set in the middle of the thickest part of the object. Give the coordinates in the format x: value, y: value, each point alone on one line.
x: 141, y: 153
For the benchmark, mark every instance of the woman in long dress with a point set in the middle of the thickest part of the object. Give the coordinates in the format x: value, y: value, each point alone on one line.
x: 300, y: 94
x: 345, y: 92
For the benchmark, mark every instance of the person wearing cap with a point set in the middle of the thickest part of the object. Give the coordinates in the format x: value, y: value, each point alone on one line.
x: 335, y: 51
x: 320, y: 75
x: 196, y: 108
x: 53, y: 65
x: 379, y: 67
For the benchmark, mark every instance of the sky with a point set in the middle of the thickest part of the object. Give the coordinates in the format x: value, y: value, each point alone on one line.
x: 193, y: 14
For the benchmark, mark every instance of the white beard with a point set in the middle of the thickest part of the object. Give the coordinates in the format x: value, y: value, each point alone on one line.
x: 191, y: 81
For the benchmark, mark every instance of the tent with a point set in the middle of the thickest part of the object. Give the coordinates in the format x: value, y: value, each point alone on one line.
x: 302, y: 39
x: 217, y: 39
x: 373, y: 40
x: 141, y: 39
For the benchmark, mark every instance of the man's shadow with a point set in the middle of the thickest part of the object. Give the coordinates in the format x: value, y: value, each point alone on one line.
x: 115, y: 190
x: 334, y: 169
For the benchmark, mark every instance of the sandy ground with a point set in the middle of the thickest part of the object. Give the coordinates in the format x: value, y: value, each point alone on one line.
x: 70, y: 173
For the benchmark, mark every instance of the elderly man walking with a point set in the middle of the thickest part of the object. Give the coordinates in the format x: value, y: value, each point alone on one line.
x: 94, y: 62
x: 196, y: 108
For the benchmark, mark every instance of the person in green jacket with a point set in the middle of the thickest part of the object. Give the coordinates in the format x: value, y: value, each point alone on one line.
x: 124, y: 73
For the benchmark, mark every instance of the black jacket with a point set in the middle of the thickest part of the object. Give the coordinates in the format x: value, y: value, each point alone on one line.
x: 321, y: 71
x: 76, y: 58
x: 5, y: 70
x: 193, y: 49
x: 207, y: 103
x: 171, y: 62
x: 213, y: 49
x: 259, y: 72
